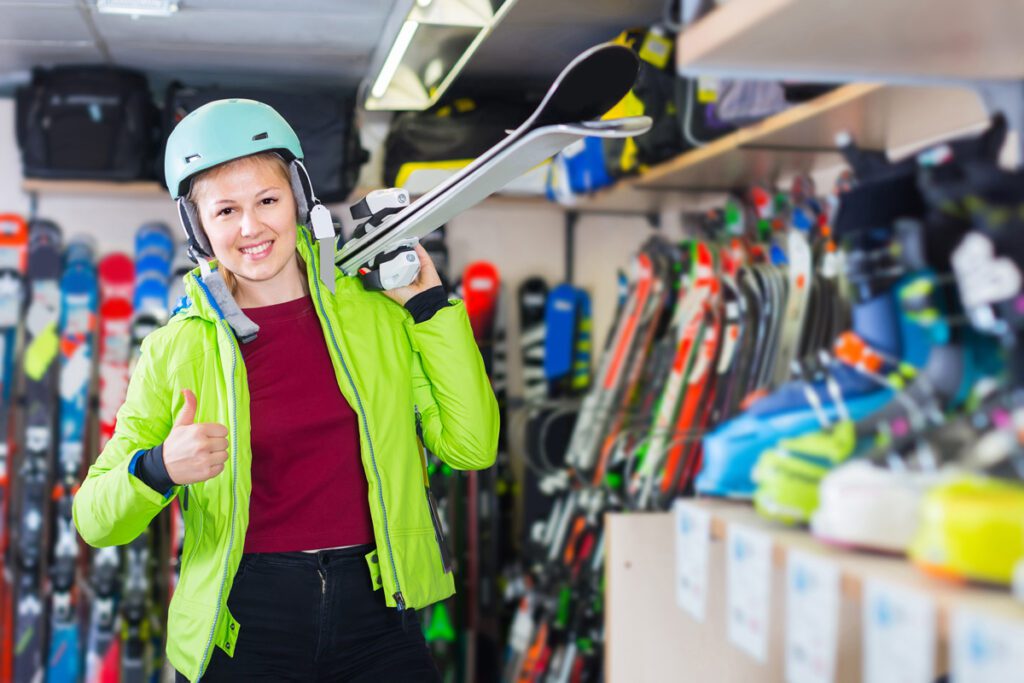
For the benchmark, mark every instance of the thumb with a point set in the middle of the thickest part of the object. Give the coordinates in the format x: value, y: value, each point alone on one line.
x: 188, y: 412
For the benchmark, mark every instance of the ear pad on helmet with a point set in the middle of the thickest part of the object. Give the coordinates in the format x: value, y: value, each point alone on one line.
x: 197, y: 240
x: 302, y: 189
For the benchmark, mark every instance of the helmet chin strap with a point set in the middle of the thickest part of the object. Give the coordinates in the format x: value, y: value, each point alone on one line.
x: 244, y: 328
x: 318, y: 218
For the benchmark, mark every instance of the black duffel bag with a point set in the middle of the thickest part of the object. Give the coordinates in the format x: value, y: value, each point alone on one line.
x: 87, y: 123
x: 324, y: 122
x: 448, y: 136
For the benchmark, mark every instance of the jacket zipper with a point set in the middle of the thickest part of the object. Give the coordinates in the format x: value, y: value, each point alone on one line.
x: 435, y: 517
x: 399, y: 599
x: 234, y: 473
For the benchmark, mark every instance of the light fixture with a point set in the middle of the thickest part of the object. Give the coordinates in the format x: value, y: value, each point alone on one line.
x: 138, y: 8
x: 387, y: 72
x: 434, y: 42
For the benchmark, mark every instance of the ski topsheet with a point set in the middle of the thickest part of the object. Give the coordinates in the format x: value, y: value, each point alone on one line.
x: 13, y: 261
x: 586, y: 89
x: 31, y: 512
x: 77, y: 339
x: 154, y: 252
x: 117, y: 282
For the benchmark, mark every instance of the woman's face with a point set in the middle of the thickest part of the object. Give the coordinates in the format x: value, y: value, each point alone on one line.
x: 248, y: 213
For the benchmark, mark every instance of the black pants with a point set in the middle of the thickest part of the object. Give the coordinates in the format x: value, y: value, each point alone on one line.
x: 316, y: 617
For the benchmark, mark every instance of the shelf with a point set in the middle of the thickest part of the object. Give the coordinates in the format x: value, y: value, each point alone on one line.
x: 857, y: 567
x: 650, y: 638
x: 937, y: 40
x: 802, y: 138
x: 133, y: 188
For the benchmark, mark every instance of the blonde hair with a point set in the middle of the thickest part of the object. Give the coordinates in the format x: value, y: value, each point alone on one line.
x: 195, y: 189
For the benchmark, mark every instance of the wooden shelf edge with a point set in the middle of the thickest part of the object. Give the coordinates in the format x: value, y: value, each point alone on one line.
x: 142, y: 188
x: 749, y: 135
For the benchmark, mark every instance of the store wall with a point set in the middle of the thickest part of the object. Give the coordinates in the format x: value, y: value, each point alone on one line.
x: 521, y: 238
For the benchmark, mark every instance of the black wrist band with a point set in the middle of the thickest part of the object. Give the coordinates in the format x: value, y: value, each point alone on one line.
x: 424, y: 305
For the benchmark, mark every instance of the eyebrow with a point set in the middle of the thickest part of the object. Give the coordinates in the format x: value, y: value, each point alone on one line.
x: 232, y: 201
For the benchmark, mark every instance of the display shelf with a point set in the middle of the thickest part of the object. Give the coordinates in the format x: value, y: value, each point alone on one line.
x: 802, y: 139
x: 650, y: 638
x: 938, y: 40
x: 133, y: 188
x: 857, y: 567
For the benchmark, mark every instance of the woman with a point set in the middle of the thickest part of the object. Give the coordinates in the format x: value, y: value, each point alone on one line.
x: 284, y: 417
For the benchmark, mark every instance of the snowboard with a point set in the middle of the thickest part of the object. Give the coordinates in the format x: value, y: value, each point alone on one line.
x: 586, y: 89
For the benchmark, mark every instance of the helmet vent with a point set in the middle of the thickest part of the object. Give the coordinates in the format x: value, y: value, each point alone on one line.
x: 193, y: 157
x: 260, y: 136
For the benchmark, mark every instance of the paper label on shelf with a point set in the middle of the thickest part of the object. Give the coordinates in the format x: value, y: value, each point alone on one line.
x: 748, y: 587
x: 986, y: 649
x: 693, y: 538
x: 899, y: 634
x: 812, y: 618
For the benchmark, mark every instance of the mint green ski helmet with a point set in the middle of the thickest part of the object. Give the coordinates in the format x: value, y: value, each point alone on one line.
x: 222, y: 131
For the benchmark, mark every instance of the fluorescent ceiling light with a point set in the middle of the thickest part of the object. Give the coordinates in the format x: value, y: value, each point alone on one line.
x: 434, y: 43
x: 387, y: 72
x: 138, y: 8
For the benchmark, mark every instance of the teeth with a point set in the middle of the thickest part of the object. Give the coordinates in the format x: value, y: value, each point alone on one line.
x: 258, y: 249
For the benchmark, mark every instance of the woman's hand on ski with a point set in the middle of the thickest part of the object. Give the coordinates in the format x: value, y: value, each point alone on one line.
x: 427, y: 279
x: 194, y: 452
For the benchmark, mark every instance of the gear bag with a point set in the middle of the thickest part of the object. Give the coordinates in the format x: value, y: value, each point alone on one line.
x: 324, y: 122
x: 87, y: 123
x: 425, y: 147
x: 652, y: 95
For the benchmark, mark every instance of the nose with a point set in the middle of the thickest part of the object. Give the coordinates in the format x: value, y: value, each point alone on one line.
x: 248, y: 224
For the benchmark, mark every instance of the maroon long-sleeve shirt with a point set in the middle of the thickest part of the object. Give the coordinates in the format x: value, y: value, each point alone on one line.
x: 308, y: 484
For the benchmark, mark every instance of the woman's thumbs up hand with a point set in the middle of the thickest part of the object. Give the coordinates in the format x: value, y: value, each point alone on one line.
x: 194, y: 452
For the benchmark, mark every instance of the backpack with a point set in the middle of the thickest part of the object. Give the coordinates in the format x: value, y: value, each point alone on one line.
x: 323, y: 121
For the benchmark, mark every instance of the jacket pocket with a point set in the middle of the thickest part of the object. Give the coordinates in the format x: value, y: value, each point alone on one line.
x: 442, y: 542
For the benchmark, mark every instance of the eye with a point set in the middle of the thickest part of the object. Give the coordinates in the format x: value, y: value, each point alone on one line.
x: 225, y: 211
x: 267, y: 201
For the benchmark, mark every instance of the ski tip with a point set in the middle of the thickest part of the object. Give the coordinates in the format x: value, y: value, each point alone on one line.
x: 591, y: 84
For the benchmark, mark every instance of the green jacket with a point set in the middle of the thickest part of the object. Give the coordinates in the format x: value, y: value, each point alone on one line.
x: 389, y: 369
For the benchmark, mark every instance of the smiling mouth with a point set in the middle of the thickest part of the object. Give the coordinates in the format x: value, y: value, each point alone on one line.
x: 257, y: 249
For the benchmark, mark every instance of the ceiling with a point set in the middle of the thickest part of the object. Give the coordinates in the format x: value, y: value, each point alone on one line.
x: 294, y: 43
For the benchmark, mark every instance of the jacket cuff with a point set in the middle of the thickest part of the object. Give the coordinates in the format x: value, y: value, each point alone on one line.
x: 424, y: 305
x: 148, y: 466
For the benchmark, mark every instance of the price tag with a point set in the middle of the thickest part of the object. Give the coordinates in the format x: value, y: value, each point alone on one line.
x: 899, y: 635
x: 987, y: 650
x: 693, y: 537
x: 812, y: 618
x: 748, y: 586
